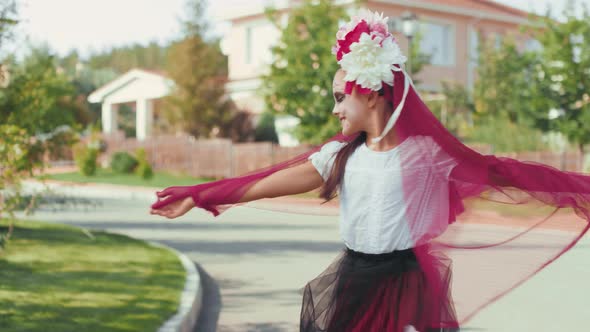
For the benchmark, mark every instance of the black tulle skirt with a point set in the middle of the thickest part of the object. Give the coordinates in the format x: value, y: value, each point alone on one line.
x: 384, y: 292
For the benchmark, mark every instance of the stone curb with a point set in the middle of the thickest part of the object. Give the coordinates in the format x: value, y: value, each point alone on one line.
x: 191, y: 297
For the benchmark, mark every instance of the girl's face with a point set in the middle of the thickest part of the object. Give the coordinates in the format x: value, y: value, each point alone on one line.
x: 350, y: 109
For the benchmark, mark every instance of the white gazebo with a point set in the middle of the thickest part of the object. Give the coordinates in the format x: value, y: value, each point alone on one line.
x: 138, y: 86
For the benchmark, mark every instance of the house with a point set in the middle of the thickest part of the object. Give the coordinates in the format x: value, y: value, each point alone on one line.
x: 140, y: 88
x: 450, y: 29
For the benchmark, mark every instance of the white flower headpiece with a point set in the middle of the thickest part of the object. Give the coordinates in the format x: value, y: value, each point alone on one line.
x: 367, y: 51
x: 369, y: 54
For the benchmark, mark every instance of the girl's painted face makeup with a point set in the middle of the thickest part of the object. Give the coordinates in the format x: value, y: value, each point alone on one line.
x: 348, y: 108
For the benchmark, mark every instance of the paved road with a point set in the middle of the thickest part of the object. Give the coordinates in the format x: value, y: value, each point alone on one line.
x: 253, y: 263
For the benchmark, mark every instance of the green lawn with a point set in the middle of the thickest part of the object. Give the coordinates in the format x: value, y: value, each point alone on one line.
x: 160, y: 179
x: 56, y: 278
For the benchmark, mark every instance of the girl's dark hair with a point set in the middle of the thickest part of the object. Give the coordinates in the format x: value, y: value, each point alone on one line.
x: 332, y: 184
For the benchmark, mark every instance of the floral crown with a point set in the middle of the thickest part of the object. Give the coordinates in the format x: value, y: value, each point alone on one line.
x: 367, y: 52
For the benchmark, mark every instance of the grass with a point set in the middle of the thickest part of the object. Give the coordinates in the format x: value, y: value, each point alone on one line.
x: 56, y: 278
x: 102, y: 175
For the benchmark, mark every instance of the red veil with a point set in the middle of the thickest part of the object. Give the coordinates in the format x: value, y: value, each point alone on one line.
x: 491, y: 254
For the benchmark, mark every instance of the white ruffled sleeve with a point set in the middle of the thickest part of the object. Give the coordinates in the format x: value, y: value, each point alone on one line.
x: 324, y: 159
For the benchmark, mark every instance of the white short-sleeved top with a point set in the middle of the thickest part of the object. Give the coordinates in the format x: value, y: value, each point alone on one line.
x: 374, y: 206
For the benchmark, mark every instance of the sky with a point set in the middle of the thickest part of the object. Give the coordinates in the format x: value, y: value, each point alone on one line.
x: 94, y: 25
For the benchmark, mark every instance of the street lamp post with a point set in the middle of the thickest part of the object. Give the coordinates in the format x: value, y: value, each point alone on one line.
x: 409, y: 22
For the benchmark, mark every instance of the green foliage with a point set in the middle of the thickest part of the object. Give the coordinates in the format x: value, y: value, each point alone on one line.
x: 86, y: 159
x: 198, y: 104
x: 36, y: 117
x: 13, y: 152
x: 418, y: 59
x: 144, y: 169
x: 522, y: 87
x: 503, y: 101
x: 8, y: 19
x: 124, y: 163
x: 265, y: 130
x: 13, y: 156
x: 562, y: 78
x: 454, y: 108
x: 126, y: 120
x: 106, y: 175
x: 124, y: 58
x: 503, y: 85
x: 37, y: 97
x: 505, y: 135
x: 300, y: 79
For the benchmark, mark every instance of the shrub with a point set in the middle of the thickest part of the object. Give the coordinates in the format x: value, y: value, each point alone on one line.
x: 265, y: 130
x: 86, y: 159
x: 123, y: 163
x: 144, y: 169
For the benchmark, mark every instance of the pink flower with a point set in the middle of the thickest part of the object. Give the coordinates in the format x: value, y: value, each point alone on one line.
x: 379, y: 28
x: 351, y: 37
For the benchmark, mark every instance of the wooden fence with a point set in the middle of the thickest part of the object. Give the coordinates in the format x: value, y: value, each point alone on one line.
x: 219, y: 158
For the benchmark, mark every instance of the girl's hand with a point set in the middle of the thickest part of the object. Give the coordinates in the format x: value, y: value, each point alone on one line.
x: 175, y: 209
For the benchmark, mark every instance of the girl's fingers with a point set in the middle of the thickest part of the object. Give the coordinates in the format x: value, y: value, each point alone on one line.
x: 163, y: 202
x: 163, y: 193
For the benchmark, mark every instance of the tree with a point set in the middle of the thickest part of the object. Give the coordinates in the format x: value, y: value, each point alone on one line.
x: 563, y: 76
x: 503, y: 85
x: 8, y: 19
x: 300, y: 78
x: 29, y: 117
x: 505, y: 99
x: 37, y: 98
x: 36, y: 113
x: 121, y: 59
x: 198, y: 105
x: 419, y: 59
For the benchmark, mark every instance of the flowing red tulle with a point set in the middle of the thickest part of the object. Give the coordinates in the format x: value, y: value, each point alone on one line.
x: 494, y: 242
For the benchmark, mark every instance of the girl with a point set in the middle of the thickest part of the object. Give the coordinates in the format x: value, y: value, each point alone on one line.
x: 401, y: 178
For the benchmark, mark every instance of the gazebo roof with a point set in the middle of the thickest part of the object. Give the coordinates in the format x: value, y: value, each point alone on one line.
x: 134, y: 85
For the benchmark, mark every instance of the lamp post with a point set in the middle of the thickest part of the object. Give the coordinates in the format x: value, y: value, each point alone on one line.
x: 409, y: 24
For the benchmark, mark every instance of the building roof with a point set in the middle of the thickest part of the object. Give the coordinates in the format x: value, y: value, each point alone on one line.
x: 476, y: 8
x: 133, y: 85
x: 483, y: 5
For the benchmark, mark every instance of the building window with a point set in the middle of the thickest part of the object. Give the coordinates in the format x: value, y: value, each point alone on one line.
x: 249, y: 45
x: 439, y: 42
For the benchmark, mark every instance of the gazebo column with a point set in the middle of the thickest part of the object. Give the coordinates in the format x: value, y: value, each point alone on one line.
x: 109, y: 118
x: 143, y: 118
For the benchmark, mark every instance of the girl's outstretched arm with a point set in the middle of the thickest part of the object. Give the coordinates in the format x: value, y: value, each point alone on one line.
x: 289, y: 181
